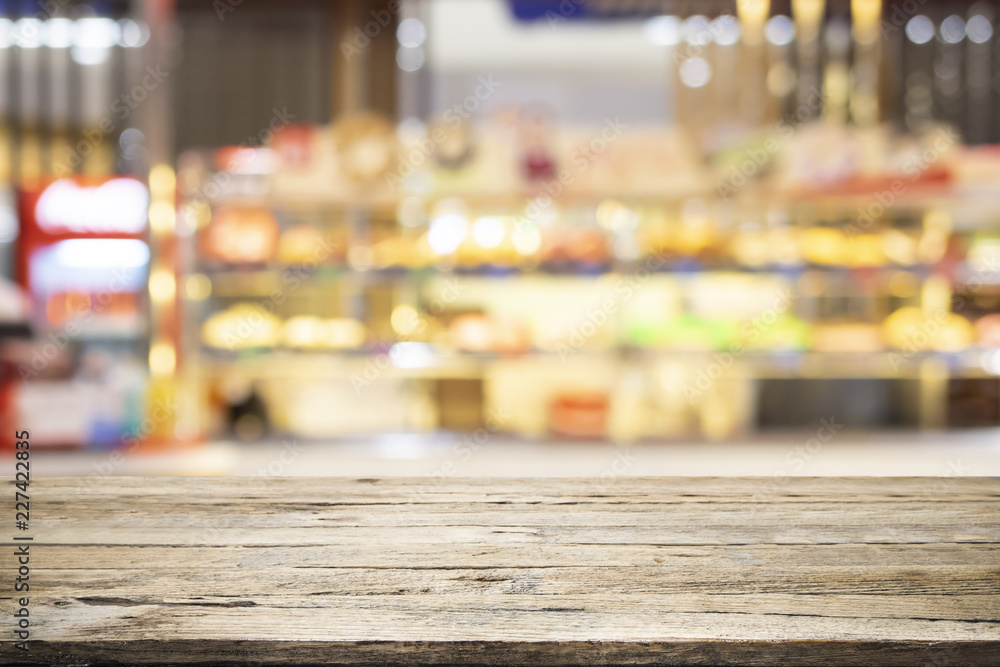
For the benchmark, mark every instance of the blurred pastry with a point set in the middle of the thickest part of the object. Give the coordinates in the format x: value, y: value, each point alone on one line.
x: 866, y: 250
x: 910, y: 328
x: 243, y: 326
x: 855, y: 337
x: 899, y: 247
x: 823, y: 245
x: 303, y: 331
x: 241, y: 235
x: 472, y: 333
x: 303, y: 244
x: 579, y: 414
x: 957, y: 334
x: 399, y: 251
x: 366, y: 146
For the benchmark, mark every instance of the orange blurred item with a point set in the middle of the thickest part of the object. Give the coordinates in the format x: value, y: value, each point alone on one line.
x: 241, y: 236
x: 62, y: 307
x: 988, y: 330
x: 472, y: 333
x: 587, y: 246
x: 579, y: 414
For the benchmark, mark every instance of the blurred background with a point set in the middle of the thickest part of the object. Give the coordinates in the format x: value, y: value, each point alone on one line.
x: 532, y: 237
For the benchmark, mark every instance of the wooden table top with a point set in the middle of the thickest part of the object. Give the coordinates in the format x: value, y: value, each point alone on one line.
x: 747, y: 571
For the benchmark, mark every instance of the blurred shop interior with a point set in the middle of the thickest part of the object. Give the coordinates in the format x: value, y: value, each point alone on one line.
x: 563, y: 223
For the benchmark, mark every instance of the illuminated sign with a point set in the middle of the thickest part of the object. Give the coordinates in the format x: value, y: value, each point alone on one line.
x: 90, y: 265
x: 118, y: 206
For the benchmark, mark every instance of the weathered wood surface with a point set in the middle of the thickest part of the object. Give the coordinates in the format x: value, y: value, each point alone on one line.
x: 805, y: 571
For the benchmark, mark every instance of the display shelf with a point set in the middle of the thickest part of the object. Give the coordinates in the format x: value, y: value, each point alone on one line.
x: 764, y: 241
x: 438, y: 362
x: 670, y: 267
x: 976, y: 202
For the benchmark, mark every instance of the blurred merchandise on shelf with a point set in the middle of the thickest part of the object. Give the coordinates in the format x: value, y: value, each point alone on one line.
x: 600, y: 311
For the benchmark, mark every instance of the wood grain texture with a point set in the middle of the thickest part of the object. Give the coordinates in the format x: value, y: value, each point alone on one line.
x: 686, y: 571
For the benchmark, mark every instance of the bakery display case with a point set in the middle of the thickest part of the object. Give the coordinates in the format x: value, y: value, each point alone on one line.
x: 585, y: 289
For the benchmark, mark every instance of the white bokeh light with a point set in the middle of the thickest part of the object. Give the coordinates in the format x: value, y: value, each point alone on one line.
x: 726, y: 30
x: 58, y: 33
x: 780, y: 30
x: 446, y: 233
x: 978, y: 29
x: 695, y: 72
x: 27, y: 33
x: 93, y: 39
x: 410, y: 58
x: 920, y: 29
x: 411, y: 32
x: 953, y: 29
x: 662, y: 30
x: 488, y: 232
x: 697, y: 30
x: 133, y: 34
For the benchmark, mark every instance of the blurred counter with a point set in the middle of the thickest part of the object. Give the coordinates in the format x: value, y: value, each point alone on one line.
x: 794, y: 453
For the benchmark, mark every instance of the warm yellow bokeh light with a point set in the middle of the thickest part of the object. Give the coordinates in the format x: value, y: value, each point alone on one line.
x: 903, y: 284
x: 198, y: 286
x: 162, y: 182
x: 161, y: 217
x: 162, y: 286
x: 162, y: 359
x: 404, y: 320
